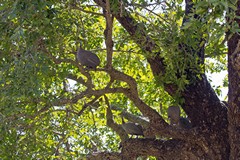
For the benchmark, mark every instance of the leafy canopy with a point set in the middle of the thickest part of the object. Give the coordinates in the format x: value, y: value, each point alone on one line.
x: 39, y: 112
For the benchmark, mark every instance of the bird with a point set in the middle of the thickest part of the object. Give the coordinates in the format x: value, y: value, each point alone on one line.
x: 176, y: 120
x: 132, y: 128
x: 88, y: 58
x: 174, y: 115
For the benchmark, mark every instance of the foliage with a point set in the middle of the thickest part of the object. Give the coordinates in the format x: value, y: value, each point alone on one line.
x: 41, y: 118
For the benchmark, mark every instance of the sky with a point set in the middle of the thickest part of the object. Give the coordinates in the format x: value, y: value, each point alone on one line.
x: 217, y: 80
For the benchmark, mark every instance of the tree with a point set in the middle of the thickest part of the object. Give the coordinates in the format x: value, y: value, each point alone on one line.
x: 153, y: 54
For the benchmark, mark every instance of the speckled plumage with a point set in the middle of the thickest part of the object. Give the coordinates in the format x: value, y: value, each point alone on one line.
x: 133, y: 128
x: 88, y: 58
x: 174, y: 114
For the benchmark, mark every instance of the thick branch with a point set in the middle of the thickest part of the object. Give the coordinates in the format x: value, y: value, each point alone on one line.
x: 234, y: 89
x: 171, y: 149
x: 104, y: 155
x: 132, y: 94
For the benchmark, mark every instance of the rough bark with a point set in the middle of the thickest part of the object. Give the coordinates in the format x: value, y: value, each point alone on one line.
x: 163, y: 149
x: 234, y: 92
x: 104, y: 155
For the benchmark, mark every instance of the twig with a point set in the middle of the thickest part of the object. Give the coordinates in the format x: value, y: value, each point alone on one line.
x: 86, y: 11
x: 87, y: 104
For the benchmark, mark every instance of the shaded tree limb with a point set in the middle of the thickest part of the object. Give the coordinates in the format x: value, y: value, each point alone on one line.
x: 116, y: 127
x: 234, y: 89
x: 170, y: 149
x: 104, y: 155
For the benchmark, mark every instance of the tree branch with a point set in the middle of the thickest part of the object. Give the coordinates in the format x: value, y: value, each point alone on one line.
x: 135, y: 119
x: 138, y: 33
x: 86, y: 93
x: 108, y: 33
x: 68, y: 61
x: 73, y: 6
x: 170, y: 149
x: 202, y: 86
x: 104, y: 155
x: 117, y: 128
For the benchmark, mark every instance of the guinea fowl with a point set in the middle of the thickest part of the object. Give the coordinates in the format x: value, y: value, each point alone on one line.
x: 174, y: 114
x: 176, y: 120
x: 88, y: 58
x: 132, y: 128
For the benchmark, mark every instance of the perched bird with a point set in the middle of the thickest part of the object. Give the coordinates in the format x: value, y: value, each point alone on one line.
x: 174, y: 115
x: 184, y: 123
x: 88, y: 58
x: 176, y: 120
x: 132, y: 128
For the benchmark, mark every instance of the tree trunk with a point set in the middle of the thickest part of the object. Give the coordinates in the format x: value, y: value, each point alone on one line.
x: 234, y: 91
